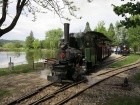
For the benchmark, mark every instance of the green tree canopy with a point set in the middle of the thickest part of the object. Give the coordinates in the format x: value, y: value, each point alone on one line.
x: 121, y: 34
x: 36, y: 44
x: 111, y: 33
x: 9, y: 45
x: 117, y: 33
x: 29, y: 41
x: 18, y: 44
x: 134, y: 37
x: 101, y: 28
x: 131, y: 12
x: 87, y: 28
x: 53, y: 36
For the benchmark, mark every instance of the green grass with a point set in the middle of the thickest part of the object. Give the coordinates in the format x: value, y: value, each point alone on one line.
x: 24, y: 68
x: 4, y: 92
x: 124, y: 101
x: 130, y: 59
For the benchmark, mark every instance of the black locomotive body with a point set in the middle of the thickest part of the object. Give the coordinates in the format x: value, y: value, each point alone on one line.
x: 78, y: 53
x: 125, y: 50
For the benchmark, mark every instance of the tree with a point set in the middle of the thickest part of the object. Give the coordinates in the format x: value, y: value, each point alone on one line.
x: 111, y: 33
x: 53, y: 36
x: 45, y: 44
x: 36, y: 44
x: 133, y: 9
x: 29, y: 41
x: 134, y: 37
x: 101, y: 28
x: 121, y: 34
x: 117, y: 33
x: 9, y: 45
x: 18, y: 44
x: 87, y: 28
x: 32, y: 6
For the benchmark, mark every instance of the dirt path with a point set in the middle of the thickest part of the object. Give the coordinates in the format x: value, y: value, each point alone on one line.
x: 19, y: 84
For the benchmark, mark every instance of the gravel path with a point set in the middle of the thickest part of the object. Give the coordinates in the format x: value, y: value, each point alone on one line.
x: 20, y: 84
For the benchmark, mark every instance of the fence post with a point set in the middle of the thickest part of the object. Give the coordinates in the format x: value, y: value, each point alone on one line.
x: 11, y: 65
x: 33, y: 63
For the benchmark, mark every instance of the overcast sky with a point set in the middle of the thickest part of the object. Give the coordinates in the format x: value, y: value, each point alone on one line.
x: 93, y: 13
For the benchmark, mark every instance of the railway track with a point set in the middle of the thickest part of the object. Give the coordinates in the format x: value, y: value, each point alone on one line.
x: 96, y: 79
x: 42, y: 94
x: 69, y: 94
x: 30, y: 94
x: 51, y: 94
x: 113, y: 60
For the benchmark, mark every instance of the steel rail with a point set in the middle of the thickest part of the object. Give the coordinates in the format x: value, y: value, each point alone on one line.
x: 97, y: 82
x: 29, y: 95
x: 56, y: 92
x: 113, y: 60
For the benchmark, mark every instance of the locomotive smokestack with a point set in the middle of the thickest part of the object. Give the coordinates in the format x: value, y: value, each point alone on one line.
x: 66, y: 32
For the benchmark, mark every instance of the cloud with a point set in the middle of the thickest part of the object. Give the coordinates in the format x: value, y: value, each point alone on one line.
x: 93, y: 12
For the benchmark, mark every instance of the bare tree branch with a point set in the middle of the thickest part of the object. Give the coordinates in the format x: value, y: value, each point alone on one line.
x: 5, y: 2
x: 33, y: 6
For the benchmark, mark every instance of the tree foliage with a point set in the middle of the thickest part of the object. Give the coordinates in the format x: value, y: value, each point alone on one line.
x: 36, y: 44
x: 29, y: 41
x: 101, y: 28
x: 45, y: 44
x: 9, y: 45
x: 87, y: 28
x: 117, y: 33
x: 53, y: 36
x: 131, y: 12
x: 121, y: 34
x: 18, y: 44
x: 111, y: 33
x: 134, y: 37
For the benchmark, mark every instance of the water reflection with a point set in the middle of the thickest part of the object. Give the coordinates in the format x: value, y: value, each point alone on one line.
x: 24, y: 57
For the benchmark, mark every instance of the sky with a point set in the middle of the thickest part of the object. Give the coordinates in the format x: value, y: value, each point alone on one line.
x: 94, y: 12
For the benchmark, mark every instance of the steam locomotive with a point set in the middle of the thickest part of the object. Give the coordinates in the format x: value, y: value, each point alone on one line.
x: 78, y: 53
x: 125, y: 50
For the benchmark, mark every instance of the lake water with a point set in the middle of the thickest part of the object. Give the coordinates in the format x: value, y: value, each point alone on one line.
x: 24, y: 57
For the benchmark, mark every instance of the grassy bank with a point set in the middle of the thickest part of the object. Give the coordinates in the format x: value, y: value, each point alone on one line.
x: 130, y: 59
x: 4, y: 92
x: 124, y: 101
x: 23, y: 49
x: 136, y: 78
x: 12, y: 49
x: 24, y: 68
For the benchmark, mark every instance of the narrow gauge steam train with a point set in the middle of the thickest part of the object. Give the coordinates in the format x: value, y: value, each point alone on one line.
x: 125, y: 50
x: 78, y: 53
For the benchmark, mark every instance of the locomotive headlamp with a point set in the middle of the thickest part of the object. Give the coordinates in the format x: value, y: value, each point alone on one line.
x: 62, y: 55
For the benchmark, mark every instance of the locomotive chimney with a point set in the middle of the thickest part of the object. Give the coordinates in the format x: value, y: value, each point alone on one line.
x: 66, y: 32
